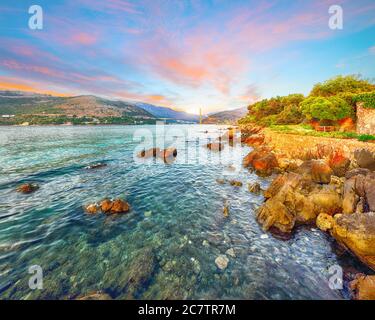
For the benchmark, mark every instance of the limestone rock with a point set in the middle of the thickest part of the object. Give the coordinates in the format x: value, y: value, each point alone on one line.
x: 222, y: 262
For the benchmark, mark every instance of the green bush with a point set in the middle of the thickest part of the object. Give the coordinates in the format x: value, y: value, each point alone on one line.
x: 342, y: 84
x: 331, y: 108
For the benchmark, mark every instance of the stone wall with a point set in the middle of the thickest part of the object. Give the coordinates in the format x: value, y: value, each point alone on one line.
x: 365, y: 120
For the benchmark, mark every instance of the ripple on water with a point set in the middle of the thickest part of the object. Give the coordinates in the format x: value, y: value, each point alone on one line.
x: 181, y: 235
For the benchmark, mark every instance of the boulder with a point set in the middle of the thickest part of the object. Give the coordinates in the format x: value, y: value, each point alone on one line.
x: 215, y: 146
x: 116, y: 206
x: 106, y: 205
x: 119, y: 206
x: 153, y: 152
x: 27, y: 188
x: 168, y: 155
x: 357, y: 233
x: 318, y: 170
x: 360, y: 187
x: 365, y: 159
x: 96, y: 166
x: 275, y: 214
x: 363, y: 287
x: 293, y: 199
x: 263, y: 160
x: 339, y: 163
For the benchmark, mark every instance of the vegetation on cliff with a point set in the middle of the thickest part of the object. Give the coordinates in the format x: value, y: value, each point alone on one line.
x: 328, y: 102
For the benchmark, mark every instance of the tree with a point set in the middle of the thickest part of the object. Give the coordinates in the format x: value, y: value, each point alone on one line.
x: 342, y: 84
x: 330, y: 108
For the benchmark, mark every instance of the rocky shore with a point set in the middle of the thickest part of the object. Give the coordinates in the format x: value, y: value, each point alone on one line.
x: 328, y: 183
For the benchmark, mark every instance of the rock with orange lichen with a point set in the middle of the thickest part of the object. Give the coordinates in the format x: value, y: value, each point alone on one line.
x: 262, y: 160
x: 108, y: 206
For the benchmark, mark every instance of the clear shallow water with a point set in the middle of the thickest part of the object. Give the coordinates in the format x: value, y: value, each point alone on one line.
x: 168, y: 254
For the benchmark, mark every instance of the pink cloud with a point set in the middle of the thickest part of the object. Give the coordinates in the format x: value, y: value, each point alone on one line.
x: 83, y: 38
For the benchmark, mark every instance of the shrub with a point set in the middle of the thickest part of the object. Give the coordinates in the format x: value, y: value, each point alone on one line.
x: 331, y: 109
x: 342, y: 84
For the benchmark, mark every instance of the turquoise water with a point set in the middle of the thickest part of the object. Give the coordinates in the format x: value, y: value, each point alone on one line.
x: 166, y: 247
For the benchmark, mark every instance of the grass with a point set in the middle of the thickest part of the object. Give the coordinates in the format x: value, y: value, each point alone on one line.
x: 308, y: 130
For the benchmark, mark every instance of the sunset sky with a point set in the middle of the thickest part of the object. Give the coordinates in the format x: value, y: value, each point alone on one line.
x: 185, y: 54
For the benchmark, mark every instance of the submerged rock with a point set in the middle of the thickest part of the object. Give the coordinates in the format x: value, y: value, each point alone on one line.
x: 220, y: 181
x: 363, y: 287
x: 96, y: 296
x: 230, y: 252
x: 92, y: 208
x: 254, y: 188
x: 96, y: 166
x: 226, y: 210
x: 215, y: 146
x: 235, y: 183
x: 222, y: 262
x: 28, y: 188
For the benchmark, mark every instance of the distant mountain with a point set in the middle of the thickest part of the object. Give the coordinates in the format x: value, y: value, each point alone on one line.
x: 223, y: 117
x: 167, y: 113
x: 18, y: 103
x: 28, y: 103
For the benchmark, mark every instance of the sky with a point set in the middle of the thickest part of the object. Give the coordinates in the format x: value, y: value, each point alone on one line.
x: 185, y: 54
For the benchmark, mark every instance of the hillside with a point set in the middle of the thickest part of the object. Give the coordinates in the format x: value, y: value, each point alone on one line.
x: 21, y: 103
x: 167, y: 113
x: 229, y: 116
